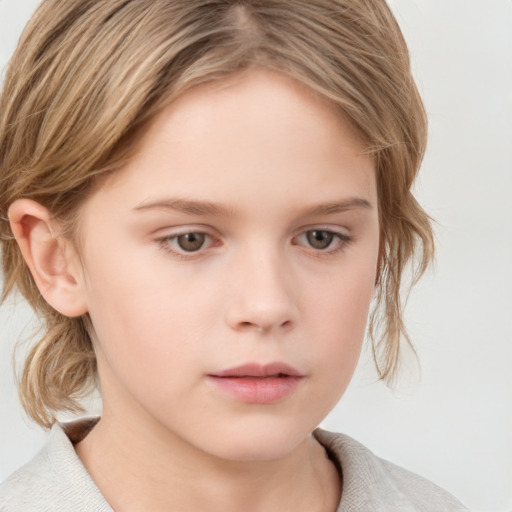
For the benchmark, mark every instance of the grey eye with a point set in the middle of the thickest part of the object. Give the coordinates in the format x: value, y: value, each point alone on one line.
x: 191, y: 242
x: 320, y: 239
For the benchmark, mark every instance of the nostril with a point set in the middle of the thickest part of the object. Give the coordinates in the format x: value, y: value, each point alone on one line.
x: 262, y: 327
x: 261, y: 314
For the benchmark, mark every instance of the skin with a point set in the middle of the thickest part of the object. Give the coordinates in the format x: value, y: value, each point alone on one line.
x: 269, y: 152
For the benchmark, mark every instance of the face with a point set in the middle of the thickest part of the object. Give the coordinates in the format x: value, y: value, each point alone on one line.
x: 229, y: 267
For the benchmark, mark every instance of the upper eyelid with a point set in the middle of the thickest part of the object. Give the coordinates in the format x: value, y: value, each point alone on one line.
x: 178, y: 231
x: 337, y: 230
x: 343, y: 237
x: 173, y: 236
x: 174, y: 231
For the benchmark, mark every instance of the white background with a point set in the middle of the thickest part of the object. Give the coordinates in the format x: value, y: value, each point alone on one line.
x: 453, y: 421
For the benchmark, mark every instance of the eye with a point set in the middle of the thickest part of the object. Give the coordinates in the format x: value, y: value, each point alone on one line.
x: 190, y: 242
x: 324, y: 240
x: 320, y: 238
x: 182, y: 244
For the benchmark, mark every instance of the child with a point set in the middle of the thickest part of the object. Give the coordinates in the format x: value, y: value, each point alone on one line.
x: 201, y: 200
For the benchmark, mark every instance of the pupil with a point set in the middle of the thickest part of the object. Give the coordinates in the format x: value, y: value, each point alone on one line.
x: 320, y: 239
x: 191, y: 241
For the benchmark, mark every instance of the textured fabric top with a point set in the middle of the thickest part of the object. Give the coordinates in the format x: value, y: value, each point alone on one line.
x: 56, y: 480
x: 371, y: 484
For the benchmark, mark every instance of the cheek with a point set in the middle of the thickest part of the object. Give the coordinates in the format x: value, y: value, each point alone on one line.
x: 148, y: 319
x: 147, y: 348
x: 343, y: 297
x: 340, y: 313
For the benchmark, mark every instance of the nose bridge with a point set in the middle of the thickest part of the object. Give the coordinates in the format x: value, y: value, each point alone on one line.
x: 263, y: 298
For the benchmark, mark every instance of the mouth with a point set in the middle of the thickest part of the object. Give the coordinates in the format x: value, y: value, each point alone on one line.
x: 257, y: 384
x: 256, y: 370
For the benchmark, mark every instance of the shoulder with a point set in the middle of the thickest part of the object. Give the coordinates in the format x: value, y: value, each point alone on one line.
x: 372, y: 483
x: 54, y: 479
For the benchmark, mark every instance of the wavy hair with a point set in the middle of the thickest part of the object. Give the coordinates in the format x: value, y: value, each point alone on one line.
x: 89, y: 75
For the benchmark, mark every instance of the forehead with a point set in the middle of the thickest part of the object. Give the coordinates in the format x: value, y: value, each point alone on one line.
x: 257, y: 134
x: 269, y: 99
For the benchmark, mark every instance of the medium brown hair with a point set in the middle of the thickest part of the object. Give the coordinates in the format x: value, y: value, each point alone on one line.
x: 89, y: 75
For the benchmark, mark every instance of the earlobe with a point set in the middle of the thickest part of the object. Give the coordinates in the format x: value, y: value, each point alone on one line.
x: 51, y: 259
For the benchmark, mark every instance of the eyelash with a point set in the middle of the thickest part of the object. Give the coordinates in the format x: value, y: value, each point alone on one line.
x: 343, y: 241
x: 165, y: 243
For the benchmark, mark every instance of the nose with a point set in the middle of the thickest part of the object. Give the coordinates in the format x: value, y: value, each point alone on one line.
x: 262, y: 295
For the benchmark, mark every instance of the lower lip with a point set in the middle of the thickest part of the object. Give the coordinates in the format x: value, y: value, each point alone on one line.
x: 254, y: 390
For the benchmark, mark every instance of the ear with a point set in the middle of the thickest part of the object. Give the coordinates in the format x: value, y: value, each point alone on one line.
x: 52, y: 260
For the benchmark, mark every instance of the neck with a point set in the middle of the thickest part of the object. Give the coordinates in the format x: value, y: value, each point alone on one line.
x: 137, y: 469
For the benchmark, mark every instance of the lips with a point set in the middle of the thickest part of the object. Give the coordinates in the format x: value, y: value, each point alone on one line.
x: 258, y: 370
x: 257, y: 384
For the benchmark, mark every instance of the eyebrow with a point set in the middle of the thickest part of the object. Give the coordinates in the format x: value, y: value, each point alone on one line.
x: 339, y: 206
x: 191, y: 207
x: 208, y: 208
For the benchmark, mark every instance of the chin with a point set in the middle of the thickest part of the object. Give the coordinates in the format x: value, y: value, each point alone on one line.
x: 254, y: 451
x: 257, y: 442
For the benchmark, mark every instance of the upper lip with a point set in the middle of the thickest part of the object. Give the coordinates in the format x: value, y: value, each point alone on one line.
x: 259, y: 370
